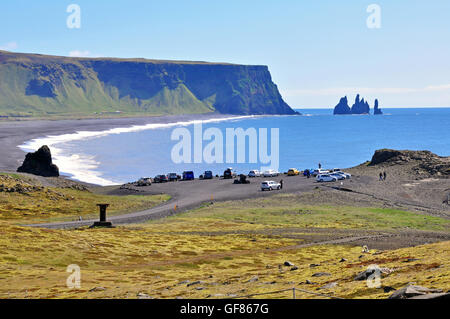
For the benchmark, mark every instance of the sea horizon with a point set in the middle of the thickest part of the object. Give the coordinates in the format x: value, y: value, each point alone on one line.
x: 74, y: 154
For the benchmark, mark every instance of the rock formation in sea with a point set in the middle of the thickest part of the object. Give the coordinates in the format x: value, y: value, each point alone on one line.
x: 377, y: 110
x: 360, y: 106
x: 342, y: 108
x: 39, y: 163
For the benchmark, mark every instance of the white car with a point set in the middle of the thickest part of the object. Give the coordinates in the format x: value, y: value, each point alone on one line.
x: 271, y: 173
x: 320, y: 171
x: 338, y: 176
x: 346, y: 175
x: 326, y: 178
x: 270, y: 185
x: 254, y: 173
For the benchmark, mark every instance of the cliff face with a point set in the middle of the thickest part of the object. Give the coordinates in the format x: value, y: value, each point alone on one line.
x: 41, y: 85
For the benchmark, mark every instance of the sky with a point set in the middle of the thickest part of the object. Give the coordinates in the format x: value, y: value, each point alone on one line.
x: 317, y: 51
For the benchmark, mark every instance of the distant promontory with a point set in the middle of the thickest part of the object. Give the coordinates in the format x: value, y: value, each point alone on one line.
x: 34, y: 85
x: 360, y: 107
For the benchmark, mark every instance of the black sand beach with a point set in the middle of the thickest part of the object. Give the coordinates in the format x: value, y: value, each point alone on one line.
x: 15, y: 133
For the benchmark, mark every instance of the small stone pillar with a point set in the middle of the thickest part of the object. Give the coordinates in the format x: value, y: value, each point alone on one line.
x: 102, y: 222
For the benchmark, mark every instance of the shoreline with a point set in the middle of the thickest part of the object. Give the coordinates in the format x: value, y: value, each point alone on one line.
x: 16, y: 135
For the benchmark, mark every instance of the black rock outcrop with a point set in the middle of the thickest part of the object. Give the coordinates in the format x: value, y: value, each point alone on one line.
x: 360, y: 106
x: 422, y: 163
x: 342, y: 108
x: 39, y: 163
x: 377, y: 110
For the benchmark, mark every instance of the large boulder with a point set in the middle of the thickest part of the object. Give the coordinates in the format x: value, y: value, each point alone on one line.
x: 418, y: 292
x: 39, y: 163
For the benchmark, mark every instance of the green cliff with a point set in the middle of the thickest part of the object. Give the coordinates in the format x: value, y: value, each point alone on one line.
x: 39, y: 85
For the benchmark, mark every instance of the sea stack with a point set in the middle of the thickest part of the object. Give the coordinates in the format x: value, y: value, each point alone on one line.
x: 377, y: 110
x: 342, y: 108
x: 39, y: 163
x: 360, y: 106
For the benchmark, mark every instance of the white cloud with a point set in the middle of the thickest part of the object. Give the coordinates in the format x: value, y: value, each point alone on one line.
x: 9, y: 46
x: 443, y: 87
x: 79, y: 54
x: 353, y: 90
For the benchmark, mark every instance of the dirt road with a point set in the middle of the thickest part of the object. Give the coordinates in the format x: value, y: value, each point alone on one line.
x: 361, y: 190
x: 191, y: 194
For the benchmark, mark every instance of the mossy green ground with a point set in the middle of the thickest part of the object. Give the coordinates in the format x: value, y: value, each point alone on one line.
x: 287, y: 210
x: 225, y: 247
x: 55, y: 204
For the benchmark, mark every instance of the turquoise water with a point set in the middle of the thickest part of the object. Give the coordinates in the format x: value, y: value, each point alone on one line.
x: 334, y: 141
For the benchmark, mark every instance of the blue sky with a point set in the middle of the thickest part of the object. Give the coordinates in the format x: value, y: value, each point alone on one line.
x: 317, y: 51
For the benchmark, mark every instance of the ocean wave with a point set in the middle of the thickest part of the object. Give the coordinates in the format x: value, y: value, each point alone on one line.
x: 83, y: 167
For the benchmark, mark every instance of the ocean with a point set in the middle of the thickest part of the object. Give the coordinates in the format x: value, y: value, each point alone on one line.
x: 126, y: 154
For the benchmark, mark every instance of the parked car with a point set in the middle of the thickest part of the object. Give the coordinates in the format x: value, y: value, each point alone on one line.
x: 208, y: 175
x: 172, y: 177
x: 270, y: 185
x: 271, y: 173
x: 228, y: 173
x: 146, y: 181
x: 326, y: 178
x: 160, y: 179
x: 338, y: 176
x: 346, y: 175
x: 293, y: 172
x: 188, y: 176
x: 320, y: 171
x: 308, y: 171
x: 254, y: 173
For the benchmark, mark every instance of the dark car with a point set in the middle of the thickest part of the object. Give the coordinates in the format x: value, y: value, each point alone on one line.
x: 208, y: 175
x: 188, y: 176
x: 160, y: 179
x: 307, y: 172
x: 228, y: 174
x: 173, y: 177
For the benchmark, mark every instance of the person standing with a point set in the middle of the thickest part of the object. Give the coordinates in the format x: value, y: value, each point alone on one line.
x: 320, y: 165
x: 381, y: 176
x: 384, y: 176
x: 281, y: 184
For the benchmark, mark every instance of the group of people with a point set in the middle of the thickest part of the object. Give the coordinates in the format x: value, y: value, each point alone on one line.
x: 382, y: 176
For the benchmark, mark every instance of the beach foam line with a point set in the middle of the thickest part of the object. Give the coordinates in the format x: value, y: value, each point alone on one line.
x: 83, y: 167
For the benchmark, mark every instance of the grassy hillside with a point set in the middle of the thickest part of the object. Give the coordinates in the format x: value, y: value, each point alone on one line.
x: 38, y: 85
x: 25, y: 200
x: 223, y: 250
